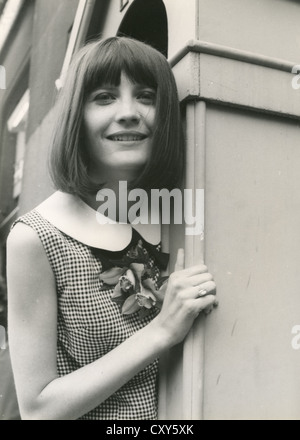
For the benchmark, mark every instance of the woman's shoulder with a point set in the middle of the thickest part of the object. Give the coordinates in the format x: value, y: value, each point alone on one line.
x: 26, y: 230
x: 23, y: 239
x: 32, y: 242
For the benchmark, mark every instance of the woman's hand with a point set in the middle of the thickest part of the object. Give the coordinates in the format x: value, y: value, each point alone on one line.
x: 189, y: 292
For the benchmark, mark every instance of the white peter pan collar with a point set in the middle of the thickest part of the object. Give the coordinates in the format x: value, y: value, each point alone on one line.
x: 72, y: 216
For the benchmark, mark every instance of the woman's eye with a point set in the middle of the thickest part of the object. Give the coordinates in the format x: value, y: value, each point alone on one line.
x: 104, y: 98
x: 147, y: 97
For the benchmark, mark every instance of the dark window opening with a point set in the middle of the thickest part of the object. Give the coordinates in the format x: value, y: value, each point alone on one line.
x: 97, y: 20
x: 146, y: 20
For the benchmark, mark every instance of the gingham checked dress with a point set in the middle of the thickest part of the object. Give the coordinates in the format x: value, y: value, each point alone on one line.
x: 90, y: 323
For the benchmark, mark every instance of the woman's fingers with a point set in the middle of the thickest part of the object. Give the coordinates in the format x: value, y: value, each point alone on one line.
x: 210, y: 308
x: 204, y: 289
x: 200, y: 291
x: 189, y: 292
x: 200, y: 278
x: 206, y: 303
x: 194, y: 283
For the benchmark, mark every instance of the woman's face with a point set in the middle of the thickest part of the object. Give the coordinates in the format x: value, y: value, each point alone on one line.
x: 118, y: 127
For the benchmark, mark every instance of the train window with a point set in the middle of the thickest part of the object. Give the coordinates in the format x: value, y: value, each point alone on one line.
x: 146, y: 20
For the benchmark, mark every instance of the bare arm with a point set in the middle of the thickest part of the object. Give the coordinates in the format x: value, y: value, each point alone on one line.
x: 33, y: 332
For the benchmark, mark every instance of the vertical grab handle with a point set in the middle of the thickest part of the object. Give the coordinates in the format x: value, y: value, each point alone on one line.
x: 193, y: 349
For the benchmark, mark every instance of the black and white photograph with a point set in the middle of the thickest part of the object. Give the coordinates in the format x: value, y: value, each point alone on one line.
x: 149, y: 212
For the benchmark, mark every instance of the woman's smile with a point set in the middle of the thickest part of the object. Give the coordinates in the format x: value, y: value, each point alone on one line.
x: 127, y: 137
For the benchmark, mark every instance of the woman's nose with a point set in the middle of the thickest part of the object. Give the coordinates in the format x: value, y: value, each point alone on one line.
x: 128, y: 112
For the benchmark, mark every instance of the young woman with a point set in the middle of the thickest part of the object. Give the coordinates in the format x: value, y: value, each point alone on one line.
x: 89, y: 314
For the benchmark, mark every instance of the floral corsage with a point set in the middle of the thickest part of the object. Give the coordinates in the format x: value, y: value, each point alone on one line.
x: 135, y: 290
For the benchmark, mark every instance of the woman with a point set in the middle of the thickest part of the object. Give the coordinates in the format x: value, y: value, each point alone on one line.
x: 89, y: 314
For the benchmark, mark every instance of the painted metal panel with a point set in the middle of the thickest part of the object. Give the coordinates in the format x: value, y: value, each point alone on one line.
x: 219, y: 74
x: 248, y: 85
x: 268, y: 27
x: 253, y: 249
x: 183, y: 22
x: 114, y: 17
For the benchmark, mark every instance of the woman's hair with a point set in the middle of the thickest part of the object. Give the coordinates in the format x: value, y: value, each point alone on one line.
x: 102, y: 62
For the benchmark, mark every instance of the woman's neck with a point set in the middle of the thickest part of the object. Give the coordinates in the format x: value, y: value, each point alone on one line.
x: 112, y: 200
x: 94, y: 201
x: 111, y: 179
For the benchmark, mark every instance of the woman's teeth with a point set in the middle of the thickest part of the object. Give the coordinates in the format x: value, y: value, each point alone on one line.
x: 126, y: 138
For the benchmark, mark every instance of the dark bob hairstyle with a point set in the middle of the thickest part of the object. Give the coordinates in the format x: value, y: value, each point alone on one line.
x: 102, y: 62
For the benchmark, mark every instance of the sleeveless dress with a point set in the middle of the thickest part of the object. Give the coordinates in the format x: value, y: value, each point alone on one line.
x: 90, y: 324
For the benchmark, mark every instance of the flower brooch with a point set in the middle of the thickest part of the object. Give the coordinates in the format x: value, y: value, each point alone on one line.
x: 135, y: 289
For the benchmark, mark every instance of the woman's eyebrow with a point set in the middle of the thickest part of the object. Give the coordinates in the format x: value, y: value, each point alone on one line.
x: 105, y: 87
x: 144, y: 86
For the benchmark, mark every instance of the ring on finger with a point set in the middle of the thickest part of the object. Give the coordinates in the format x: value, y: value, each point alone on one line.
x: 203, y: 292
